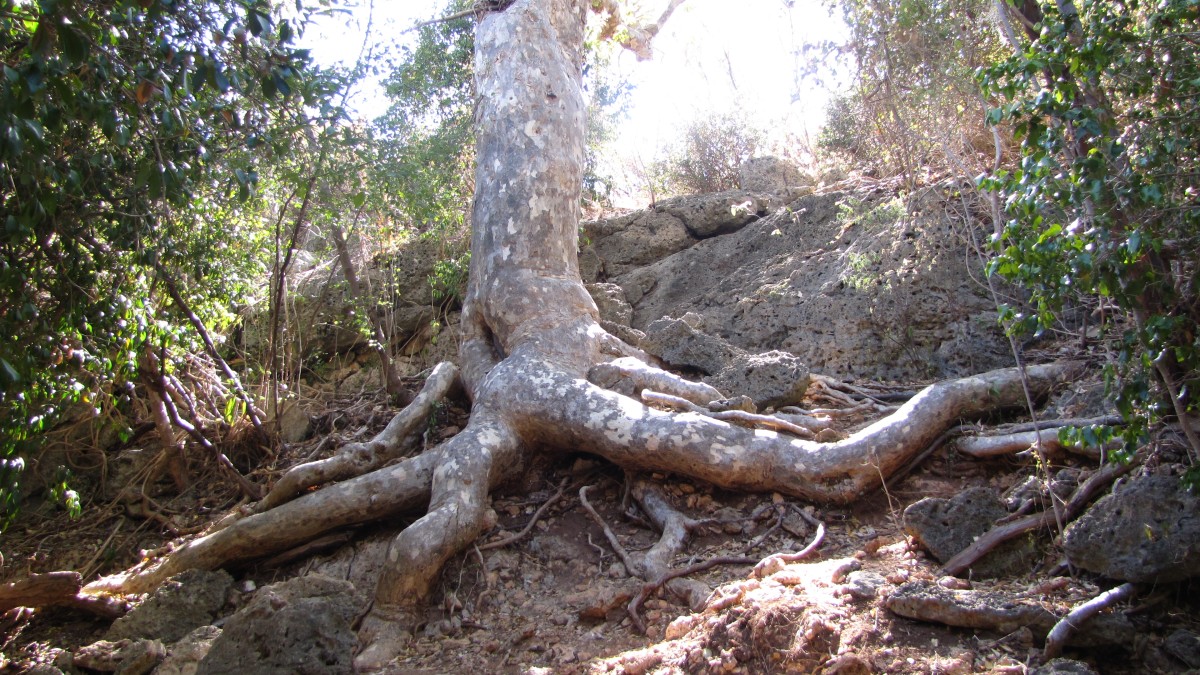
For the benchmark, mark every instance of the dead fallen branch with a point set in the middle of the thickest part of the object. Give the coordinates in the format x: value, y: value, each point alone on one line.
x: 56, y: 589
x: 1079, y: 615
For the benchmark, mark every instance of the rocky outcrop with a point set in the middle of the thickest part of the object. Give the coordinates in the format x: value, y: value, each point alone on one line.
x: 851, y: 285
x: 297, y: 626
x: 1146, y: 530
x: 620, y: 245
x: 186, y: 602
x: 852, y: 289
x: 769, y: 379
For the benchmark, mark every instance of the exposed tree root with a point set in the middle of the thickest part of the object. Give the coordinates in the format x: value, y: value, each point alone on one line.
x: 1007, y: 444
x: 629, y: 376
x: 736, y: 416
x: 458, y: 513
x: 531, y: 337
x: 1066, y: 627
x: 56, y: 589
x: 1100, y: 479
x: 355, y: 459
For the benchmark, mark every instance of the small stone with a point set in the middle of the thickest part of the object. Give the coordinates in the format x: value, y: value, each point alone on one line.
x: 954, y: 583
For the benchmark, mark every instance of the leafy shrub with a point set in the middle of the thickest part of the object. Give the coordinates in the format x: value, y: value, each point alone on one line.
x: 1102, y: 207
x: 708, y: 153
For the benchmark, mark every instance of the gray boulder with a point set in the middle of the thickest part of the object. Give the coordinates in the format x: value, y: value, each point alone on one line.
x: 185, y: 602
x: 299, y: 626
x: 637, y: 239
x: 715, y: 214
x: 610, y: 300
x: 850, y: 298
x: 770, y: 175
x: 944, y: 527
x: 1146, y: 530
x: 682, y: 346
x: 770, y: 379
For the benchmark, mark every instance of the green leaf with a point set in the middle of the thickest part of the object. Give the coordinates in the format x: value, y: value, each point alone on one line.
x: 11, y: 376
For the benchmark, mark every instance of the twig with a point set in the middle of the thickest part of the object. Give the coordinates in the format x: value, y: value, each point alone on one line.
x: 250, y: 490
x: 608, y: 533
x: 1079, y: 615
x: 528, y: 526
x: 177, y: 298
x: 87, y: 568
x: 780, y: 559
x: 635, y: 605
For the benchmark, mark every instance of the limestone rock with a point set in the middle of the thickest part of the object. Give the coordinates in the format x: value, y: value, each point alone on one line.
x: 682, y: 346
x: 180, y: 605
x: 183, y: 657
x: 715, y: 214
x: 297, y: 626
x: 1063, y: 667
x: 125, y: 657
x: 999, y: 612
x: 847, y: 298
x: 944, y: 527
x: 610, y: 300
x: 1147, y: 530
x: 1184, y: 645
x: 771, y: 379
x: 294, y: 423
x: 635, y: 240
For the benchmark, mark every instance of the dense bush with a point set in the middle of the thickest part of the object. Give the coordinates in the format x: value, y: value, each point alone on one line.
x: 1102, y: 207
x: 913, y: 106
x: 129, y: 136
x: 707, y: 154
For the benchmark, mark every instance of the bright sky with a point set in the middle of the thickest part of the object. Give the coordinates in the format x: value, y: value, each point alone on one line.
x: 712, y: 55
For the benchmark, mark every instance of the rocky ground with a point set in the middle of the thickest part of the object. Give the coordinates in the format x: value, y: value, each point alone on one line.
x: 860, y: 288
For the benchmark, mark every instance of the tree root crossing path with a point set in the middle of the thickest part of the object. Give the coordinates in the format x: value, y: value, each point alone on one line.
x: 531, y: 340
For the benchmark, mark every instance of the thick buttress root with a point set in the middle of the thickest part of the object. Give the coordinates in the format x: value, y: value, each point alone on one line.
x: 561, y: 411
x: 458, y: 514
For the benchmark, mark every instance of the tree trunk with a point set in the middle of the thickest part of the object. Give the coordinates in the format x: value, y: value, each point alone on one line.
x: 531, y: 339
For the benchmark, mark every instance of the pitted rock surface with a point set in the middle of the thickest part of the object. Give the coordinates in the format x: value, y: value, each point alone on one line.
x: 1146, y: 530
x: 185, y: 602
x: 299, y: 626
x: 944, y: 527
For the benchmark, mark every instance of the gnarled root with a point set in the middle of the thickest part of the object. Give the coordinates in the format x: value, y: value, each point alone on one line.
x: 395, y: 489
x: 356, y: 459
x: 569, y: 412
x: 457, y: 514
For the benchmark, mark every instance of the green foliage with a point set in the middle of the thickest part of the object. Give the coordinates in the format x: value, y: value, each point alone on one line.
x: 913, y: 104
x: 423, y: 166
x: 708, y: 153
x: 1103, y: 204
x: 127, y: 130
x: 870, y: 216
x: 607, y: 99
x: 449, y: 279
